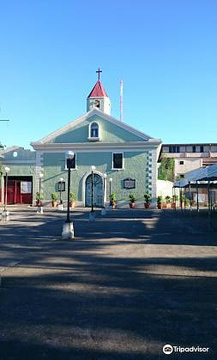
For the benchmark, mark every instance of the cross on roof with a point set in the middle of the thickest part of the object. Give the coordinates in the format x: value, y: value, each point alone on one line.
x: 98, y: 72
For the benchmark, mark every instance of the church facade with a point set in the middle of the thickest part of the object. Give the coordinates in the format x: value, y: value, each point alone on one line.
x: 109, y: 155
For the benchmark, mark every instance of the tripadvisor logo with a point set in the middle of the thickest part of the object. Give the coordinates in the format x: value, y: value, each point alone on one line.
x: 169, y: 349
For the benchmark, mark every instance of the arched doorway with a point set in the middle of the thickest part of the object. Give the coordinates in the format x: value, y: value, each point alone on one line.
x: 97, y: 190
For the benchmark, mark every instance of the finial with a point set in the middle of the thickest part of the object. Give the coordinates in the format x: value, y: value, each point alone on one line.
x: 98, y: 72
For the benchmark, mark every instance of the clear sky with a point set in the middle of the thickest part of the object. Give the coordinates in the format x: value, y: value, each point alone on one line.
x: 164, y: 50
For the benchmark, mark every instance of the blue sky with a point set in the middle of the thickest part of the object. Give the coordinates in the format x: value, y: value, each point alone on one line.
x: 164, y: 50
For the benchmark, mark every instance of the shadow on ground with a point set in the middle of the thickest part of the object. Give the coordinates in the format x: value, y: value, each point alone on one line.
x: 120, y: 290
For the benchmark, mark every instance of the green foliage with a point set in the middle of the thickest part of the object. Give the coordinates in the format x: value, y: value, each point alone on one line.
x: 72, y: 197
x: 38, y: 196
x: 168, y: 199
x: 166, y: 169
x: 175, y: 198
x: 132, y: 198
x: 159, y: 199
x: 54, y: 196
x: 113, y: 197
x: 147, y: 198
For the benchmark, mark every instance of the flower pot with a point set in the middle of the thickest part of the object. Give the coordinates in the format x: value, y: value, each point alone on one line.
x: 113, y: 204
x: 132, y: 205
x: 159, y: 206
x: 54, y: 203
x: 147, y: 205
x: 71, y: 204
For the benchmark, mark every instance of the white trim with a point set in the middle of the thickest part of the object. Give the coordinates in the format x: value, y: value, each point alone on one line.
x: 98, y: 146
x: 117, y: 152
x: 92, y: 138
x: 15, y: 162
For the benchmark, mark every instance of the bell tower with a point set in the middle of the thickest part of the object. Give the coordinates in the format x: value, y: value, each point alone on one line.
x: 98, y: 97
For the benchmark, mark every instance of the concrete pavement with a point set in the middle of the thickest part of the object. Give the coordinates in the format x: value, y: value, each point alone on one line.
x: 128, y: 284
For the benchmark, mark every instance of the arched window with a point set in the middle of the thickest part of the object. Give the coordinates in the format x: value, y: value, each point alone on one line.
x: 94, y: 130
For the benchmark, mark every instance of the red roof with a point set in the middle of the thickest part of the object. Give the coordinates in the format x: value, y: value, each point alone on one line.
x: 98, y: 90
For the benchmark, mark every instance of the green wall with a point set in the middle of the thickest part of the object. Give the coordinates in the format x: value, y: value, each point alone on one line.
x: 135, y: 165
x: 108, y: 132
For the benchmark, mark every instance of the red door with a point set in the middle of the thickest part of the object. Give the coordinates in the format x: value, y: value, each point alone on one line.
x: 18, y: 192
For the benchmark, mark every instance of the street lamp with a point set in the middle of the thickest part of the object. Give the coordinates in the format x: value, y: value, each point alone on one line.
x: 5, y: 213
x: 103, y: 212
x: 68, y: 229
x: 61, y: 189
x: 110, y: 188
x: 92, y: 214
x: 40, y: 208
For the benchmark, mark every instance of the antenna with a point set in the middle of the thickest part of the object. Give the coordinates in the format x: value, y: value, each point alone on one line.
x: 121, y: 101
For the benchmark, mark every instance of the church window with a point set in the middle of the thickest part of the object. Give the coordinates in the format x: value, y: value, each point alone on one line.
x: 93, y: 131
x: 117, y: 161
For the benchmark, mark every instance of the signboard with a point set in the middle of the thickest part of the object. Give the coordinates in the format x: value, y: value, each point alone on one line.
x: 129, y: 183
x: 61, y: 186
x: 25, y: 187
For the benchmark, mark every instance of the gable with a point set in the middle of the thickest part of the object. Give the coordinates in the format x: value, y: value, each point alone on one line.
x: 110, y: 131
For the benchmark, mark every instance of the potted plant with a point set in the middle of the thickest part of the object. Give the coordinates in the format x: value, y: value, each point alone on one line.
x: 187, y: 202
x: 39, y: 198
x: 168, y: 200
x: 159, y: 202
x: 132, y: 201
x: 113, y: 202
x: 72, y: 199
x: 175, y: 198
x: 54, y: 198
x: 147, y: 198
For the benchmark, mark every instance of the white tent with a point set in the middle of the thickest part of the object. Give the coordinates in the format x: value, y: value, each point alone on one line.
x: 203, y: 174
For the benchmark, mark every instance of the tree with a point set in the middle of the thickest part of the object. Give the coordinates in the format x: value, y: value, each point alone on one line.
x: 166, y: 169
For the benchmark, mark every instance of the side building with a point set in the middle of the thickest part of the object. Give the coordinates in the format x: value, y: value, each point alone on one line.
x: 117, y: 157
x: 20, y: 165
x: 189, y: 157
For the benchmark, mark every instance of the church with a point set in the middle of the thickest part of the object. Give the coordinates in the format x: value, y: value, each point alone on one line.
x: 120, y: 158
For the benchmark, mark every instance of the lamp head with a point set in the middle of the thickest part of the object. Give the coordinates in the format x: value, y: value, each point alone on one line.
x: 70, y: 154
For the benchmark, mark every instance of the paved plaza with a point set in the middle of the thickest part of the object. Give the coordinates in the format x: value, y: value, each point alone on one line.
x: 129, y: 283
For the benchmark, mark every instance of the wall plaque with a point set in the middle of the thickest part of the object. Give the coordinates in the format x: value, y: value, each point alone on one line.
x: 129, y: 183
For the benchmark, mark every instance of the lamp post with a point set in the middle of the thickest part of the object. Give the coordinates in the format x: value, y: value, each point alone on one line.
x: 40, y: 207
x: 110, y: 189
x: 61, y: 182
x: 5, y: 213
x: 92, y: 214
x: 103, y: 212
x: 68, y: 229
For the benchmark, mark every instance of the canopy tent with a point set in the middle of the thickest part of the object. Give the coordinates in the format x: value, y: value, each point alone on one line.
x: 207, y: 174
x: 205, y: 178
